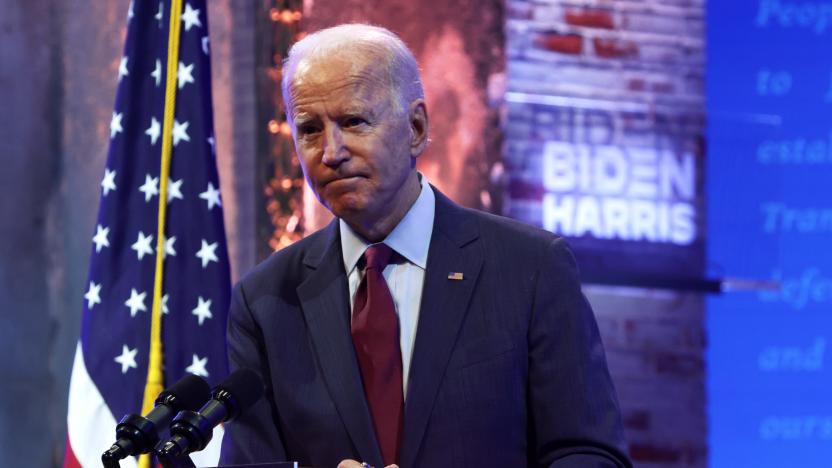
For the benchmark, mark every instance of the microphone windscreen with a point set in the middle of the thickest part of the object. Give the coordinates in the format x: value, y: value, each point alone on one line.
x: 245, y: 386
x: 190, y: 393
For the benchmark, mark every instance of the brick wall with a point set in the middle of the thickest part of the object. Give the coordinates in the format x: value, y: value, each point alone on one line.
x: 626, y: 73
x: 655, y: 345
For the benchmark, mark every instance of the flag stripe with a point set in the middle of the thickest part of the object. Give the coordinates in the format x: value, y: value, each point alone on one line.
x: 87, y: 414
x: 69, y: 458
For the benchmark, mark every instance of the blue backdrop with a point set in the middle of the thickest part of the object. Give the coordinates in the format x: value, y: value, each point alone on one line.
x: 769, y: 91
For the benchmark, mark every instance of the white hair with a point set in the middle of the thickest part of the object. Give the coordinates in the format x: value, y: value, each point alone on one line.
x: 357, y: 39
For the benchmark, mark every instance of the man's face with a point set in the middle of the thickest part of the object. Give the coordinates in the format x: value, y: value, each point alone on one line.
x: 353, y: 143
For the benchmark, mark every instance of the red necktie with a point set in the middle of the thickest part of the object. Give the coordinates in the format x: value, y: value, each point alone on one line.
x: 375, y: 335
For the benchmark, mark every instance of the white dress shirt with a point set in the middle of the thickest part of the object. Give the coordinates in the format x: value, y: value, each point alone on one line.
x: 410, y: 239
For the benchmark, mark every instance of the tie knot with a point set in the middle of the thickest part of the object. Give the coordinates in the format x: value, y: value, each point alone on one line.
x: 378, y: 256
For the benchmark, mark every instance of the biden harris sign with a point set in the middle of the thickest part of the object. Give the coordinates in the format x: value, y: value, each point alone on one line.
x: 615, y: 193
x: 633, y: 214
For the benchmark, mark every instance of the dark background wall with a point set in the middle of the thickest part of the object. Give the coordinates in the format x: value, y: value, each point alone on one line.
x: 32, y: 255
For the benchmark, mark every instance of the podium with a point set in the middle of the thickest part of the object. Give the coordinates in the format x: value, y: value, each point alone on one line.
x: 261, y: 465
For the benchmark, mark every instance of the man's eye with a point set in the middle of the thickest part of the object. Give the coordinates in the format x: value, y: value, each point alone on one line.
x: 305, y: 130
x: 354, y: 121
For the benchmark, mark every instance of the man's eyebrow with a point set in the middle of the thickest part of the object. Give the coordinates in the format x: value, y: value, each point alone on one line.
x: 301, y: 118
x: 358, y: 110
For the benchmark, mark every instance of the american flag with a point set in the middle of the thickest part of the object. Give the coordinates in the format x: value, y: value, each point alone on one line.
x: 111, y: 363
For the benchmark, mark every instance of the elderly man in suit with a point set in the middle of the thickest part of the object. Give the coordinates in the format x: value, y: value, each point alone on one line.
x: 410, y: 331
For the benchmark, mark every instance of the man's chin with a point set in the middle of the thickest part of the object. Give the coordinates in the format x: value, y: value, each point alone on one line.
x: 347, y: 207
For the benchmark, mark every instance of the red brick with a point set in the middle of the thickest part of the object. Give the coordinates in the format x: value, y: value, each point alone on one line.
x: 590, y: 18
x: 563, y: 43
x: 614, y: 48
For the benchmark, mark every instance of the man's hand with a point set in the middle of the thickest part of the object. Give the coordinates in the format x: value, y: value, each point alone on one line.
x: 355, y: 464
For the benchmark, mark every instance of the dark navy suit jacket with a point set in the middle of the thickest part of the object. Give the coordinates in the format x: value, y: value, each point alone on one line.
x: 508, y: 369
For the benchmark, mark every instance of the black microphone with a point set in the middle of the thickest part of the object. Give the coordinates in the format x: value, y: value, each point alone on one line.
x: 191, y: 431
x: 139, y: 434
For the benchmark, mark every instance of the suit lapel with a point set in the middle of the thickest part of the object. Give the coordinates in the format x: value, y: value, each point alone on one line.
x: 324, y: 298
x: 453, y: 249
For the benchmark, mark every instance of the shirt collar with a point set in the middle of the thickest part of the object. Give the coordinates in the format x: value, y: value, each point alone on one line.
x: 410, y: 238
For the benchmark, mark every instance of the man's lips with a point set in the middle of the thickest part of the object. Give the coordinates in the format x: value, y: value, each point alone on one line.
x: 342, y: 183
x: 345, y: 178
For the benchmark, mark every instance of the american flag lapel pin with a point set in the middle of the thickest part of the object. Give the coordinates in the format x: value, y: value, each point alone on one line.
x: 455, y: 275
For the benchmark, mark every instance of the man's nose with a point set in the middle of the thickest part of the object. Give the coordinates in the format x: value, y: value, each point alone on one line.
x: 334, y: 151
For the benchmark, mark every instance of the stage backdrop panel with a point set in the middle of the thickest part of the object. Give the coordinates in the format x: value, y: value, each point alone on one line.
x: 604, y: 134
x: 604, y: 144
x: 770, y: 211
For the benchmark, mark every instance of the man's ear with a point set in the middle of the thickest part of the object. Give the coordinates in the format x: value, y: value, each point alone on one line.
x: 418, y: 120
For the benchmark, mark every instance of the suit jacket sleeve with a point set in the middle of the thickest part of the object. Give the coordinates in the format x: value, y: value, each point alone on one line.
x: 252, y: 437
x: 573, y: 406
